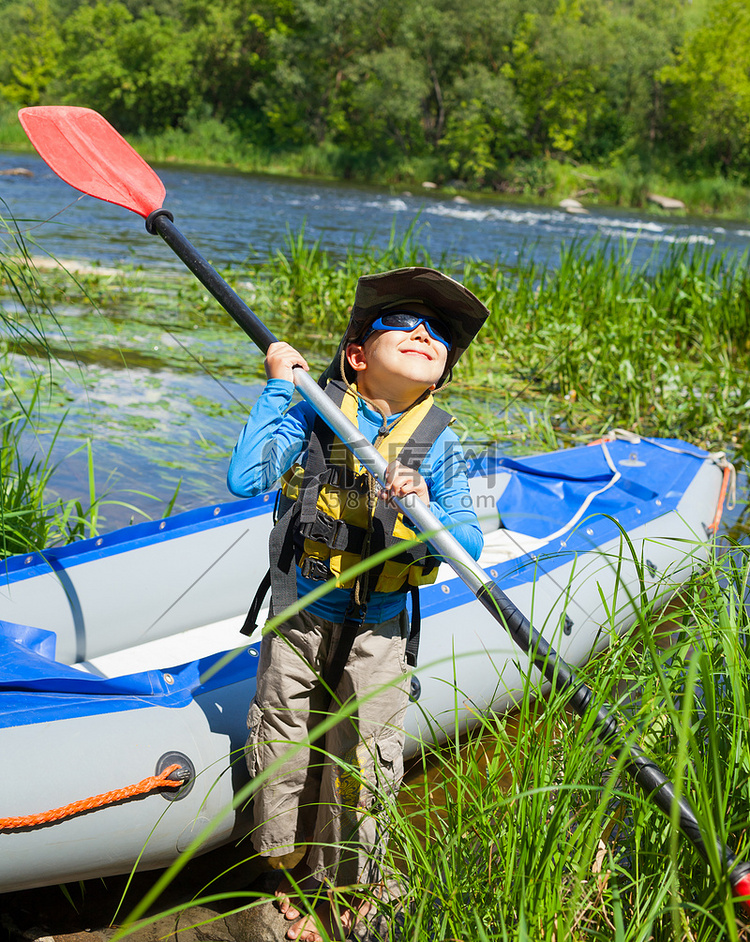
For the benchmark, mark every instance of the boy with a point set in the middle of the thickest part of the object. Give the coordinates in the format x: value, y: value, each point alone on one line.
x: 407, y: 330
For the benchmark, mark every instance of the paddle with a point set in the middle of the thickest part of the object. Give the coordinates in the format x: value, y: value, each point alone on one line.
x: 82, y: 148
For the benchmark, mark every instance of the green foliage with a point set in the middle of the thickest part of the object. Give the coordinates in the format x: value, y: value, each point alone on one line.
x: 136, y: 71
x: 233, y: 51
x: 470, y: 86
x: 711, y: 87
x: 31, y: 52
x: 31, y: 517
x: 485, y: 127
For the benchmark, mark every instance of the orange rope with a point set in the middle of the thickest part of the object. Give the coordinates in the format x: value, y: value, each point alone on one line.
x: 722, y: 497
x: 98, y: 801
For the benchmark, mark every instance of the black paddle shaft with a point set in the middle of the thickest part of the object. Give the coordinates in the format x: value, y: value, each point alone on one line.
x: 647, y: 775
x: 161, y: 222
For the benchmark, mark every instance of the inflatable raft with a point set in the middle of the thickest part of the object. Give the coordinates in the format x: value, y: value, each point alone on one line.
x: 122, y: 714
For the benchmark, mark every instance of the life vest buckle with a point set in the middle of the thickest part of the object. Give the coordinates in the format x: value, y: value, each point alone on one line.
x: 315, y: 569
x: 335, y: 534
x: 321, y: 529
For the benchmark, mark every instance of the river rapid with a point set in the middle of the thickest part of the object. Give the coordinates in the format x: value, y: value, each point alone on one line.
x: 152, y: 422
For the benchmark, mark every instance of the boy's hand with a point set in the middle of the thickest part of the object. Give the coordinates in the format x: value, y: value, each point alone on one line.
x: 280, y: 358
x: 401, y: 480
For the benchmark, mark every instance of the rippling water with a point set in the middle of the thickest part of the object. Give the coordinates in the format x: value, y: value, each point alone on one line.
x: 230, y: 216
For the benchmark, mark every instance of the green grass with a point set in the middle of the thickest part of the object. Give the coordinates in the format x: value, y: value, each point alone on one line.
x: 530, y: 830
x: 32, y: 515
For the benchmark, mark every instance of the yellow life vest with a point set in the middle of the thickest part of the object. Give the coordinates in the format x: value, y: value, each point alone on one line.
x: 334, y: 526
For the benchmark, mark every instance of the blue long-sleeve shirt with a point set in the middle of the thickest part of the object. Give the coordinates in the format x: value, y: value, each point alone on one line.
x: 275, y: 437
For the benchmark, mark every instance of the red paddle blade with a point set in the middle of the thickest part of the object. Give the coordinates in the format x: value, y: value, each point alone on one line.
x: 84, y: 150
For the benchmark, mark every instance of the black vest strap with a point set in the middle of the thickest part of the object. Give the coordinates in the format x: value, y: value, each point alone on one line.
x: 251, y: 621
x: 412, y: 644
x: 303, y: 519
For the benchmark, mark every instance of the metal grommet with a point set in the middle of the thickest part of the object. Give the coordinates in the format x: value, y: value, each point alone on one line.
x: 186, y: 774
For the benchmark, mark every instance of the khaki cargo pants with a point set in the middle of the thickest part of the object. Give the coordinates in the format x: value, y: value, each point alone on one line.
x: 334, y: 794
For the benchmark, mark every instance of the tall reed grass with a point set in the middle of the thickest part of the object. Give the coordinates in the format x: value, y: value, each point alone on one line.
x: 530, y: 830
x: 32, y: 515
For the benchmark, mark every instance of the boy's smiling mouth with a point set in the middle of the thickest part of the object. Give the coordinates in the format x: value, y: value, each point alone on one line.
x: 420, y: 353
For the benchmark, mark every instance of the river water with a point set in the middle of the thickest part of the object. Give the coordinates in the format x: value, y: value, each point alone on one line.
x: 151, y: 421
x: 229, y: 216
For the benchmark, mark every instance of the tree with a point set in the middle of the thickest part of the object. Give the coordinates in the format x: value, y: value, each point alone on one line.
x: 137, y: 72
x: 710, y: 87
x: 307, y: 97
x: 558, y: 63
x: 643, y: 36
x: 484, y: 124
x: 234, y: 45
x: 387, y: 102
x: 30, y: 54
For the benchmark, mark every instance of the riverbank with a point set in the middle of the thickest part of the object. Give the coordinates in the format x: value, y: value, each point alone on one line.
x: 627, y: 184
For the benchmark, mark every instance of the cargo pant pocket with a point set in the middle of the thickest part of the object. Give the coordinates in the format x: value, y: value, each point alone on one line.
x: 390, y: 762
x: 254, y: 723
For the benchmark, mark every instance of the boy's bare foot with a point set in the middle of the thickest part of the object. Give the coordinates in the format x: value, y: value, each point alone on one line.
x: 287, y: 890
x: 357, y: 910
x: 336, y: 922
x: 308, y: 928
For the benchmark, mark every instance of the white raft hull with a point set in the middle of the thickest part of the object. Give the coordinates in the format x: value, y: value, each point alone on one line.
x: 158, y: 603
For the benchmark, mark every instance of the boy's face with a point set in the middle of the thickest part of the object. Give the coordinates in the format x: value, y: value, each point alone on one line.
x: 398, y: 362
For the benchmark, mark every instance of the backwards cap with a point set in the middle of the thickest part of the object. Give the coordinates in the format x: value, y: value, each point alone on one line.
x: 457, y: 306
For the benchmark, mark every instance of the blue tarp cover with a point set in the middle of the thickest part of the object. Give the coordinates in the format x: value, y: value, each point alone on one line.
x: 35, y: 688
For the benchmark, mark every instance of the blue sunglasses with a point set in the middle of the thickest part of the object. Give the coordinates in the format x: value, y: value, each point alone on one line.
x: 409, y: 321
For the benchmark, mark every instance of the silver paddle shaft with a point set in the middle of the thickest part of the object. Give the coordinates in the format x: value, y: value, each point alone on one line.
x: 424, y: 520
